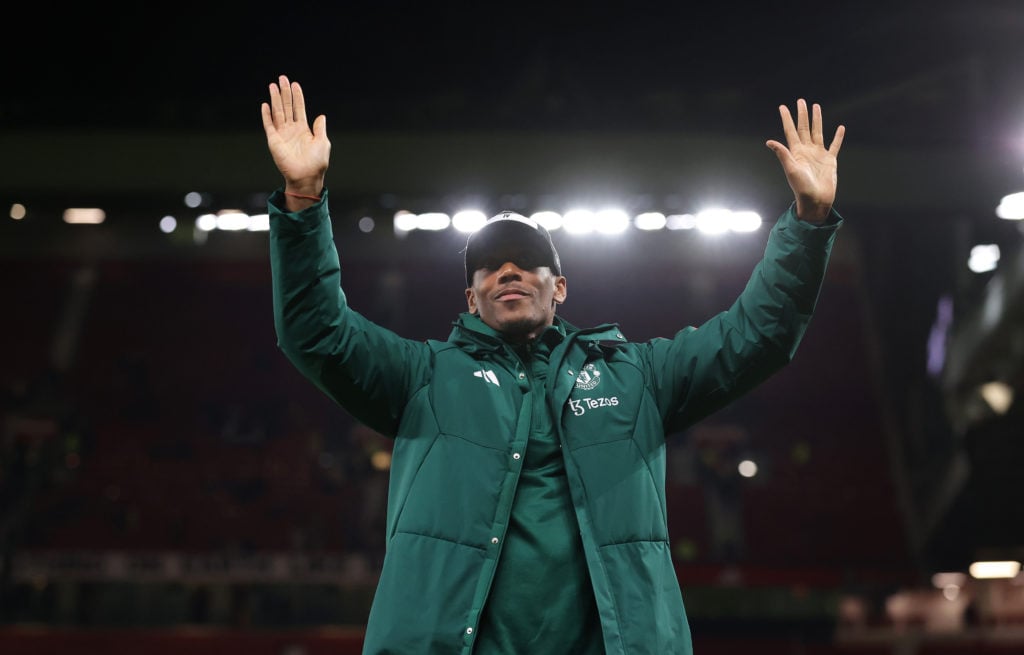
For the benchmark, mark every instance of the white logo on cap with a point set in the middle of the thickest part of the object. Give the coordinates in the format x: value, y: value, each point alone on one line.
x: 512, y: 216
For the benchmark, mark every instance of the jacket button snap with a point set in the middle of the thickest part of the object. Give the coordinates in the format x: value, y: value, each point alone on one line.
x: 515, y: 455
x: 522, y: 375
x: 494, y: 540
x: 469, y: 631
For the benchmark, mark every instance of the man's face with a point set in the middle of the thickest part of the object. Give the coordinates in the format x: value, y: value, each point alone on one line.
x: 517, y: 302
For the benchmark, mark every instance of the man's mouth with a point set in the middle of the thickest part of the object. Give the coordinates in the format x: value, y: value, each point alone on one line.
x: 511, y: 294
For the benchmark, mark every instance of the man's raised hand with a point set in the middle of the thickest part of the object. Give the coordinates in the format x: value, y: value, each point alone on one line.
x: 302, y: 155
x: 809, y: 165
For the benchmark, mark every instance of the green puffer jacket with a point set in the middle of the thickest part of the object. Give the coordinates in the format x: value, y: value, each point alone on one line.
x: 460, y: 411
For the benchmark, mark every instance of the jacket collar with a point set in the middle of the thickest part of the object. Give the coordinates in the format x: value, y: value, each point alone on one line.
x: 471, y: 333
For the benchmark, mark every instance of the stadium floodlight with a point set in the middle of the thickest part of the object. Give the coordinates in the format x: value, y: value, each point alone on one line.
x: 84, y: 215
x: 611, y: 221
x: 405, y: 221
x: 366, y: 224
x: 578, y: 221
x: 998, y: 395
x: 713, y: 221
x: 168, y: 224
x: 259, y: 222
x: 984, y: 258
x: 193, y: 199
x: 650, y: 221
x: 206, y: 222
x: 549, y: 219
x: 468, y: 220
x: 744, y: 221
x: 994, y: 569
x: 433, y: 221
x: 232, y: 220
x: 680, y: 221
x: 1011, y: 207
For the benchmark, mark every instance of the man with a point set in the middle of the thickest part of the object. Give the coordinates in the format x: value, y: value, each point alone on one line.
x: 526, y: 508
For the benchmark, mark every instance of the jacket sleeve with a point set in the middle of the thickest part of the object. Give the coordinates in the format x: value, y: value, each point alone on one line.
x: 702, y: 369
x: 367, y: 369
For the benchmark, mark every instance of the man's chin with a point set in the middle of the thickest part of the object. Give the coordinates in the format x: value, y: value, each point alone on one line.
x: 520, y: 326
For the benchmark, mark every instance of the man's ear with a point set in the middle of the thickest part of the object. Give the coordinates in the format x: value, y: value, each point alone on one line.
x: 471, y: 300
x: 560, y: 289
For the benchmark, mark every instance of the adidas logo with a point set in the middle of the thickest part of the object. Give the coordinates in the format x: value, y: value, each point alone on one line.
x: 488, y: 376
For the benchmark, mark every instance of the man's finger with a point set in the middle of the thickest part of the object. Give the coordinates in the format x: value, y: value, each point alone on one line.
x: 816, y: 127
x: 802, y: 130
x: 788, y: 128
x: 268, y: 120
x: 300, y: 103
x: 782, y: 152
x: 276, y: 108
x: 286, y: 98
x: 837, y: 141
x: 320, y: 127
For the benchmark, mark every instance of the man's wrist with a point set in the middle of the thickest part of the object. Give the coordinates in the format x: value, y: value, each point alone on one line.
x: 812, y: 212
x: 304, y: 193
x: 310, y: 188
x: 292, y: 201
x: 302, y: 196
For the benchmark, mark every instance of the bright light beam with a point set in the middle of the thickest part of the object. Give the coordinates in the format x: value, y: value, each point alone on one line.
x: 468, y: 220
x: 1011, y: 207
x: 578, y: 221
x: 650, y: 221
x: 984, y: 258
x: 611, y: 221
x: 549, y: 219
x: 990, y: 570
x: 714, y: 221
x: 744, y: 221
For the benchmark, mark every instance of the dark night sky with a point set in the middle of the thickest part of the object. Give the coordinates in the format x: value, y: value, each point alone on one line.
x: 911, y: 73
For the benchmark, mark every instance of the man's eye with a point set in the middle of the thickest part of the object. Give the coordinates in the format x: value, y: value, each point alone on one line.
x: 524, y: 263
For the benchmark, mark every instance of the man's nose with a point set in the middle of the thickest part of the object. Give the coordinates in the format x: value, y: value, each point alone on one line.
x: 509, y: 271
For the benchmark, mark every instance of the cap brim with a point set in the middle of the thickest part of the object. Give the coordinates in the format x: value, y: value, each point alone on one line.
x: 509, y: 241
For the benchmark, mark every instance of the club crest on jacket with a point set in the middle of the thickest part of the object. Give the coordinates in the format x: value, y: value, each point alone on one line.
x: 588, y: 378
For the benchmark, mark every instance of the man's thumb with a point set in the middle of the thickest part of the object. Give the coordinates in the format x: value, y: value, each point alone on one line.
x: 780, y: 150
x: 320, y: 126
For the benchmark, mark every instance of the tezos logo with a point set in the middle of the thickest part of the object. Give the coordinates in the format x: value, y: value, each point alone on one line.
x: 589, y: 377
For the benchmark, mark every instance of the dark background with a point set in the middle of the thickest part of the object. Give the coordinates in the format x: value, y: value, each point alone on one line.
x: 900, y: 73
x: 874, y: 469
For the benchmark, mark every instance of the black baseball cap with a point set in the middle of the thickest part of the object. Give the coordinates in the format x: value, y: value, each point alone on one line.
x: 510, y: 237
